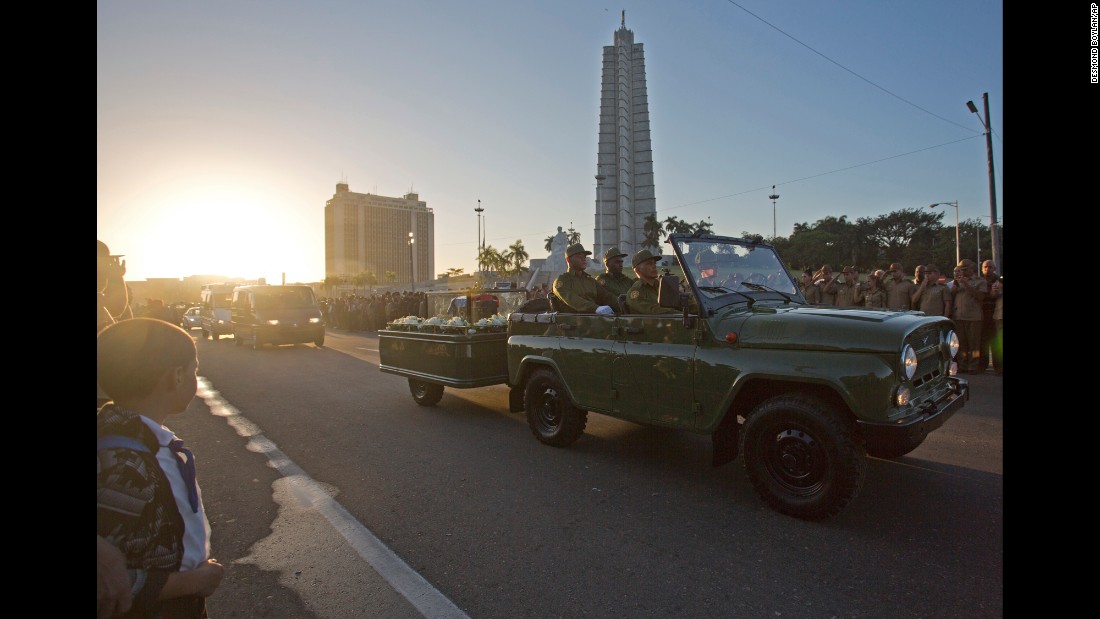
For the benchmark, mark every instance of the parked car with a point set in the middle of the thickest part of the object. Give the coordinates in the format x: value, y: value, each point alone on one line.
x: 191, y: 319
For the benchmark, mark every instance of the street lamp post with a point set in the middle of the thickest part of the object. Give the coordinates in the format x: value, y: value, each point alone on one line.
x: 412, y: 272
x: 994, y: 237
x: 478, y: 210
x: 773, y: 198
x: 956, y: 205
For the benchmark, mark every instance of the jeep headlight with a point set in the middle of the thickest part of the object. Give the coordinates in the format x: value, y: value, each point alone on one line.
x: 314, y: 320
x: 952, y: 341
x: 908, y: 362
x: 273, y: 322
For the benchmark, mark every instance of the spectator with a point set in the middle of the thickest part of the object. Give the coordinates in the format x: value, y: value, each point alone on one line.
x: 899, y: 291
x: 577, y: 291
x: 613, y: 278
x: 931, y: 296
x: 148, y: 502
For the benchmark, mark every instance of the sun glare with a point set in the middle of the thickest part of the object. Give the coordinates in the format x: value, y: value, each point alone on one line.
x: 216, y: 231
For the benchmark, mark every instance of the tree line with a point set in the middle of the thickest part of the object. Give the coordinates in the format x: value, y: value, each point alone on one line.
x: 910, y: 236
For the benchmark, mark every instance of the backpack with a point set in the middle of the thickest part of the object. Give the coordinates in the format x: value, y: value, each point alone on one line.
x: 110, y: 441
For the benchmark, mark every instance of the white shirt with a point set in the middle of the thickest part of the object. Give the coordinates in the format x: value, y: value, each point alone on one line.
x: 196, y: 528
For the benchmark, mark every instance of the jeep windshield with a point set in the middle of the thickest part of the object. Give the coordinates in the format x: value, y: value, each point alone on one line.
x: 726, y: 270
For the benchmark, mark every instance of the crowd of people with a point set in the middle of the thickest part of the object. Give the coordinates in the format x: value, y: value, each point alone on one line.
x: 973, y: 298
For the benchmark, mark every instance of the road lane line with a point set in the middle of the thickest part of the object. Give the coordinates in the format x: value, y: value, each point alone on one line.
x: 403, y: 578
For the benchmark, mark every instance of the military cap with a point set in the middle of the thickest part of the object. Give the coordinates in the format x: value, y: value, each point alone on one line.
x: 706, y: 257
x: 642, y: 256
x: 576, y: 248
x: 613, y: 252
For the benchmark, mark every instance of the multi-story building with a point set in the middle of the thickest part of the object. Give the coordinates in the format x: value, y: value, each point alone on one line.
x: 624, y: 164
x: 365, y: 233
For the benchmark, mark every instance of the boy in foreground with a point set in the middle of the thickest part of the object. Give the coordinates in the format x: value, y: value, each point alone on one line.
x: 148, y: 502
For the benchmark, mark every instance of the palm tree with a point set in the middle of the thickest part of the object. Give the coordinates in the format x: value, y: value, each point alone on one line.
x: 653, y: 232
x: 572, y: 235
x: 550, y: 243
x: 391, y: 277
x: 515, y: 256
x: 673, y: 225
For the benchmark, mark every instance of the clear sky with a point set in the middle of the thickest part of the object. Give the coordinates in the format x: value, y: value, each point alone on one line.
x: 222, y: 127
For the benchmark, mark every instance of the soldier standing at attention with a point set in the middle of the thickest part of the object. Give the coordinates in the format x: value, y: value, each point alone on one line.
x: 875, y: 295
x: 930, y: 296
x: 899, y: 291
x: 613, y: 278
x: 849, y: 293
x: 578, y: 291
x: 826, y: 285
x: 970, y: 289
x: 808, y: 289
x: 642, y: 298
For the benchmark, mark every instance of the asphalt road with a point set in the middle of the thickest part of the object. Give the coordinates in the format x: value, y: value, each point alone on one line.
x: 333, y: 495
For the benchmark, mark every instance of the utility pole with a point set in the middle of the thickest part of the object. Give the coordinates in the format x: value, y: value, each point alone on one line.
x: 479, y: 210
x: 994, y: 236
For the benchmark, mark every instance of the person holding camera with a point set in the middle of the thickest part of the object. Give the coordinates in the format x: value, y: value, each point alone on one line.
x: 969, y: 290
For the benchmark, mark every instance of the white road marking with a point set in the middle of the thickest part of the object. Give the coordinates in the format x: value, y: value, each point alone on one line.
x: 405, y: 580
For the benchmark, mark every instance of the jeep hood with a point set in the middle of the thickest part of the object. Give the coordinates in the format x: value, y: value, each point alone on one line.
x: 821, y: 328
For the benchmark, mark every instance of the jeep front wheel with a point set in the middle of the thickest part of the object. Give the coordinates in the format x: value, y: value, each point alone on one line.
x: 802, y: 458
x: 553, y: 419
x: 425, y: 394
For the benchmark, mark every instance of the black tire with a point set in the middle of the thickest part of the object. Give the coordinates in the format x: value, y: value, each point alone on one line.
x: 215, y: 336
x: 553, y: 419
x: 802, y: 457
x: 205, y: 334
x: 237, y: 339
x: 319, y: 342
x: 425, y: 393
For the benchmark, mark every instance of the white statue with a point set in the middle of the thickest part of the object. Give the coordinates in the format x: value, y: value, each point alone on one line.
x: 556, y: 263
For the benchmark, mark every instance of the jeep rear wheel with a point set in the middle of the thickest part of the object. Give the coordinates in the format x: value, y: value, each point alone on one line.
x: 553, y: 419
x: 424, y: 393
x: 802, y: 458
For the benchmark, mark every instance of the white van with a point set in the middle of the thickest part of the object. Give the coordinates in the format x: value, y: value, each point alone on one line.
x: 214, y: 310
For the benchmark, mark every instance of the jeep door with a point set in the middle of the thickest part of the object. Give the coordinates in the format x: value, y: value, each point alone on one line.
x: 654, y: 370
x: 585, y: 350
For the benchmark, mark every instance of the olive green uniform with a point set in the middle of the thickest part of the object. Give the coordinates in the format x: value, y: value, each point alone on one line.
x: 932, y: 298
x: 642, y: 299
x: 616, y: 284
x: 848, y: 295
x: 581, y: 293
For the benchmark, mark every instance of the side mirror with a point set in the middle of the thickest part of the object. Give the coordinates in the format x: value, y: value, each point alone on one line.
x: 668, y: 291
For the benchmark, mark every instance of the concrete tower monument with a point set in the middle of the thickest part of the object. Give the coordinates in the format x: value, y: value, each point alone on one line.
x: 624, y: 161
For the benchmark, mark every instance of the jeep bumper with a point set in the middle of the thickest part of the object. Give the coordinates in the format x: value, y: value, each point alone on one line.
x: 909, y: 432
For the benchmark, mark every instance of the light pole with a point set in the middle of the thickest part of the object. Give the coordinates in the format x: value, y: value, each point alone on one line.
x: 599, y: 211
x: 478, y: 210
x: 773, y: 198
x: 994, y: 237
x: 956, y: 205
x: 412, y: 273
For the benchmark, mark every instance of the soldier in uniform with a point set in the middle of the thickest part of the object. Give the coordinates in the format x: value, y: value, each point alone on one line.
x: 874, y: 295
x: 850, y: 293
x: 613, y: 278
x: 577, y: 291
x: 707, y: 263
x: 642, y: 298
x: 930, y: 296
x: 899, y: 291
x: 826, y: 284
x: 807, y: 288
x: 969, y: 290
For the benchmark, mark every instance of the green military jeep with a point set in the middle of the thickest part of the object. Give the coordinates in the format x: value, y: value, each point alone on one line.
x: 804, y: 392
